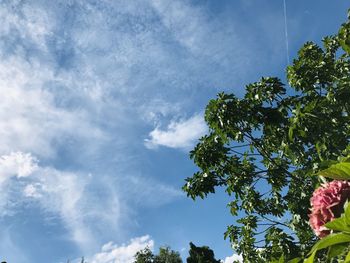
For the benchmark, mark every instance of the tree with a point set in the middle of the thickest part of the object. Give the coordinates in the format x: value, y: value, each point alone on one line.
x: 144, y: 256
x: 201, y: 255
x: 265, y: 148
x: 165, y: 255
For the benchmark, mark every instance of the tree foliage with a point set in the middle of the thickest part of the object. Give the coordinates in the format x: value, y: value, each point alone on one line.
x: 265, y: 147
x: 144, y: 256
x: 201, y: 255
x: 165, y: 255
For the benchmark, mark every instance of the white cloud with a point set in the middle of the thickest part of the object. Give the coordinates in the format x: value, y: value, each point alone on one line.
x: 17, y: 164
x: 233, y: 258
x: 111, y: 253
x: 181, y: 134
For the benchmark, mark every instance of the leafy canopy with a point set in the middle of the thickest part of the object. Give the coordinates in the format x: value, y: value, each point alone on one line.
x: 165, y: 255
x: 196, y: 255
x: 144, y: 256
x: 265, y: 147
x: 201, y: 255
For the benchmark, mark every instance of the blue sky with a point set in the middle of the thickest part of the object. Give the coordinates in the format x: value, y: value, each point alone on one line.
x: 101, y: 102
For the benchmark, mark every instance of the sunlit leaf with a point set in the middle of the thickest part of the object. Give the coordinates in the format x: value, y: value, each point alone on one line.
x: 339, y: 171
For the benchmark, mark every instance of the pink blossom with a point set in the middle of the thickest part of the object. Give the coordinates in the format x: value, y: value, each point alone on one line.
x: 327, y: 203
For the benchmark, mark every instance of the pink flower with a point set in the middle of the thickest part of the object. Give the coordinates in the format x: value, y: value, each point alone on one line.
x: 327, y: 203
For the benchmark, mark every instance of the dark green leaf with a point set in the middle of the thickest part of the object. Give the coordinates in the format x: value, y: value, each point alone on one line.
x: 336, y: 250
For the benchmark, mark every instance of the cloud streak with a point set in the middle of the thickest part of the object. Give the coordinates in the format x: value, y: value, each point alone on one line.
x: 58, y: 193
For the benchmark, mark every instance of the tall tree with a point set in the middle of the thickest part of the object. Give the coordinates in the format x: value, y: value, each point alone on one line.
x: 165, y: 255
x: 265, y: 147
x: 144, y: 256
x: 201, y: 255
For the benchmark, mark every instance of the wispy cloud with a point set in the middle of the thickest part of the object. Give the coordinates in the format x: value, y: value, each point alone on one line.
x: 13, y: 167
x: 81, y: 83
x: 142, y: 190
x: 31, y: 25
x: 181, y: 134
x: 59, y: 194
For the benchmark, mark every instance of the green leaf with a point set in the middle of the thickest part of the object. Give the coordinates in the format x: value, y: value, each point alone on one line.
x: 327, y: 163
x: 290, y: 133
x: 347, y: 259
x: 345, y: 46
x: 311, y: 258
x: 345, y: 159
x: 338, y: 224
x: 336, y: 250
x: 343, y: 222
x: 294, y: 260
x: 347, y: 213
x: 339, y: 171
x: 280, y: 260
x: 331, y: 240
